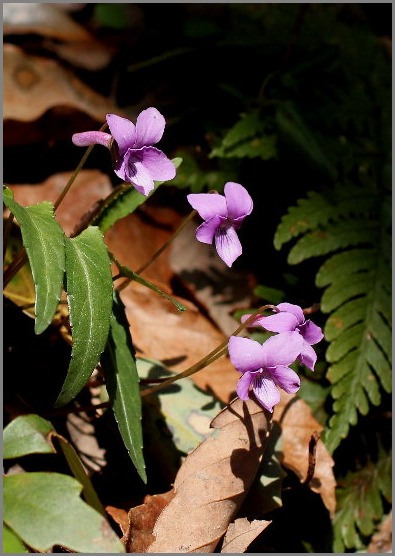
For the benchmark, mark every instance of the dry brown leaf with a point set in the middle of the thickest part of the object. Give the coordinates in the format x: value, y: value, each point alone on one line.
x: 140, y: 522
x: 213, y: 481
x: 241, y: 533
x: 32, y: 85
x: 89, y: 187
x: 298, y: 425
x: 52, y: 22
x: 382, y: 540
x: 43, y: 19
x: 120, y: 516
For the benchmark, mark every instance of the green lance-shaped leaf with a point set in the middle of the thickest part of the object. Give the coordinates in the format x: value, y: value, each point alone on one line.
x: 123, y: 201
x: 43, y: 239
x: 122, y: 381
x: 45, y: 509
x: 89, y: 293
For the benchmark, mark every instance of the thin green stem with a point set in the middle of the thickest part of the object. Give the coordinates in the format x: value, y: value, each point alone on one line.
x: 218, y: 352
x: 21, y: 257
x: 158, y: 252
x: 75, y: 173
x: 14, y: 267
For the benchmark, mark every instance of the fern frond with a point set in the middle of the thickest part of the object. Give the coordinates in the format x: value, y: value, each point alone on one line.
x: 350, y: 228
x: 360, y: 504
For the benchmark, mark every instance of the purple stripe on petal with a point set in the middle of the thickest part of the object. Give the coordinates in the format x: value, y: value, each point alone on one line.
x: 266, y: 391
x: 205, y: 233
x: 156, y: 162
x: 228, y: 245
x: 140, y: 178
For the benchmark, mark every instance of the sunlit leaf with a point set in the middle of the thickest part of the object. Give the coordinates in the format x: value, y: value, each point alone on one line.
x: 89, y: 292
x: 122, y: 383
x: 43, y: 239
x: 45, y: 509
x: 27, y: 434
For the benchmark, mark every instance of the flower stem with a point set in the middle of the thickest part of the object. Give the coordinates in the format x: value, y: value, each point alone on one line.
x: 21, y: 257
x: 75, y: 173
x: 218, y: 352
x: 158, y: 252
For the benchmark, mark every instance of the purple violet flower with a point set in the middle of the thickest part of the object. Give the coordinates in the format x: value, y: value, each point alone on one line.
x: 137, y: 162
x: 222, y: 215
x: 291, y: 318
x: 265, y: 367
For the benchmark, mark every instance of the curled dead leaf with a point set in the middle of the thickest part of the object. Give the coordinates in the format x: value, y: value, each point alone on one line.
x: 298, y: 425
x: 137, y: 535
x: 241, y: 533
x: 213, y: 481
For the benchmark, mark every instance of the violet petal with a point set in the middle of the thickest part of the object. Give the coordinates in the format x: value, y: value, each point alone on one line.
x: 150, y: 126
x: 123, y: 131
x: 208, y: 205
x: 87, y: 138
x: 140, y: 177
x: 308, y: 356
x: 228, y: 245
x: 158, y: 165
x: 243, y: 385
x: 294, y: 309
x: 266, y: 391
x: 285, y: 378
x: 282, y: 349
x: 311, y: 332
x: 238, y: 201
x: 245, y: 354
x: 205, y: 233
x: 280, y: 322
